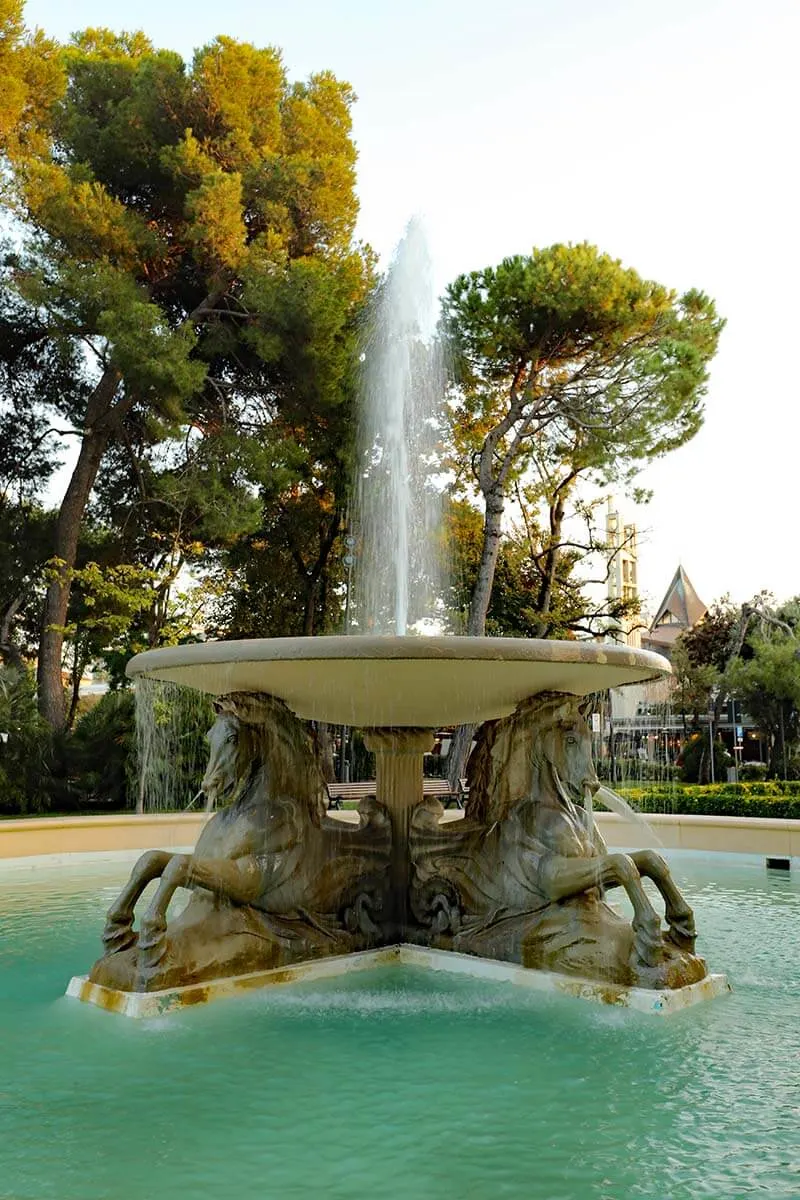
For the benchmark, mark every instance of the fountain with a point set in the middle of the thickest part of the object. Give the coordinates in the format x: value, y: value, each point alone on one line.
x: 282, y: 890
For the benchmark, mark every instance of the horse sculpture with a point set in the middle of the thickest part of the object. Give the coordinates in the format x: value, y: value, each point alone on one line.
x: 273, y: 879
x: 524, y: 877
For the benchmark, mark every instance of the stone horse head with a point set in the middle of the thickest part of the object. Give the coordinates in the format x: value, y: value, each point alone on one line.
x: 257, y: 737
x: 543, y: 748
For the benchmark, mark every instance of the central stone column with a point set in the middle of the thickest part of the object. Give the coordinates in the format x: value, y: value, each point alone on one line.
x: 398, y: 785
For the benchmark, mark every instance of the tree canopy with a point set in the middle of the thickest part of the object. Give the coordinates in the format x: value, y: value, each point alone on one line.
x: 181, y: 313
x: 567, y: 357
x: 749, y: 653
x: 185, y: 258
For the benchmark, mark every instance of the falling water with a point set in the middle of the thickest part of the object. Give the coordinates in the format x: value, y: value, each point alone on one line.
x: 647, y: 740
x: 398, y: 549
x: 171, y: 723
x: 617, y: 804
x: 636, y: 745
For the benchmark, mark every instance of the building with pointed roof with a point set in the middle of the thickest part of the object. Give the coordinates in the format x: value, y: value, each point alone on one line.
x: 680, y: 610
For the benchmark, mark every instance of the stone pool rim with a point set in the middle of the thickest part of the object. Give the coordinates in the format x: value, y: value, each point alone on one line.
x: 26, y: 839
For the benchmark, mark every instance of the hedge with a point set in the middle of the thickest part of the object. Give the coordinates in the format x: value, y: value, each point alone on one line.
x: 773, y: 798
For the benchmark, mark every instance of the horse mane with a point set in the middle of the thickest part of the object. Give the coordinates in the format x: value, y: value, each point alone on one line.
x: 272, y: 736
x: 504, y: 765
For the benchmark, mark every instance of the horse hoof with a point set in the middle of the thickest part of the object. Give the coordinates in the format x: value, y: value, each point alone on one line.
x: 648, y: 945
x: 119, y: 937
x: 682, y: 936
x: 152, y: 942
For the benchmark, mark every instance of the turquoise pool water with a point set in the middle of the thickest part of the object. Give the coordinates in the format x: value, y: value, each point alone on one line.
x: 399, y: 1084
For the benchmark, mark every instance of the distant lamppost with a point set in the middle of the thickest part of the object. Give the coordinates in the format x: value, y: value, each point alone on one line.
x: 712, y: 700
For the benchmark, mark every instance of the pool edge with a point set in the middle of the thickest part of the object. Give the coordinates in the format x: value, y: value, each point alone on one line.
x: 659, y: 1002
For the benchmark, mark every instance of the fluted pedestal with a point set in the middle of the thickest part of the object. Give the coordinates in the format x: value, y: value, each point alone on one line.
x: 398, y: 785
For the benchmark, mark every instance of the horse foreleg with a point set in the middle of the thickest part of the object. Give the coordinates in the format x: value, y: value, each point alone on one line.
x: 239, y: 880
x: 118, y: 931
x: 678, y: 914
x: 561, y: 878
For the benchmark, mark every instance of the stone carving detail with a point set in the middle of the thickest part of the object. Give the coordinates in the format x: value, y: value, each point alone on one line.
x: 274, y: 880
x: 523, y: 877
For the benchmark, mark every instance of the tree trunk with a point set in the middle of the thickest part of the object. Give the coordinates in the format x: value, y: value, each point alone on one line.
x: 458, y: 754
x: 325, y: 750
x: 492, y: 532
x: 547, y: 586
x: 9, y: 652
x: 65, y: 547
x: 309, y: 606
x: 476, y: 622
x: 314, y: 577
x: 75, y: 687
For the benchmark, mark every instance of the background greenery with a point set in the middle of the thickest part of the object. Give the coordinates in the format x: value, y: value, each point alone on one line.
x: 183, y: 302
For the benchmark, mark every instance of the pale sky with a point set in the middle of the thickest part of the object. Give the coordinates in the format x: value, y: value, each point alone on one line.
x: 664, y: 133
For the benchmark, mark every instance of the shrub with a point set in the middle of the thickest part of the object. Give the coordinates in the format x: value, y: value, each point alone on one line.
x: 25, y: 756
x: 95, y: 761
x: 770, y: 799
x: 694, y: 759
x: 752, y: 771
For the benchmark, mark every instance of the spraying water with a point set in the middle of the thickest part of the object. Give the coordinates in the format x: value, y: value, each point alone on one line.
x: 397, y: 505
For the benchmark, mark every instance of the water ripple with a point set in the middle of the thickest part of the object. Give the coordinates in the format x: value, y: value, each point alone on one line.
x: 399, y: 1083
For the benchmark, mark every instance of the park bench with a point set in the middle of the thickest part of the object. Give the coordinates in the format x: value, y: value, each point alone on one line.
x: 338, y: 793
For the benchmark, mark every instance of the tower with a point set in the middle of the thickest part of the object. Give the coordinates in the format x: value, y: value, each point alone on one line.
x: 623, y: 583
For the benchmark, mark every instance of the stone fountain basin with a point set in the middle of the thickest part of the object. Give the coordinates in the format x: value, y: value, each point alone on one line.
x: 421, y: 682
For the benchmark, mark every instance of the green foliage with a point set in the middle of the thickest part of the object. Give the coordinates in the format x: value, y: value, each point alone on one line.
x: 171, y: 748
x: 107, y: 599
x: 25, y: 539
x: 187, y: 260
x: 25, y: 757
x: 695, y: 759
x: 768, y: 684
x: 710, y: 641
x: 753, y: 772
x: 101, y: 767
x: 567, y: 366
x: 771, y: 799
x: 515, y: 607
x: 637, y: 771
x: 694, y: 681
x: 515, y: 588
x: 96, y: 758
x: 32, y: 79
x: 751, y: 654
x: 570, y: 334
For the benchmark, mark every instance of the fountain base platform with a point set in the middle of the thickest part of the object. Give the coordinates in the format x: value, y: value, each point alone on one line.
x: 660, y: 1002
